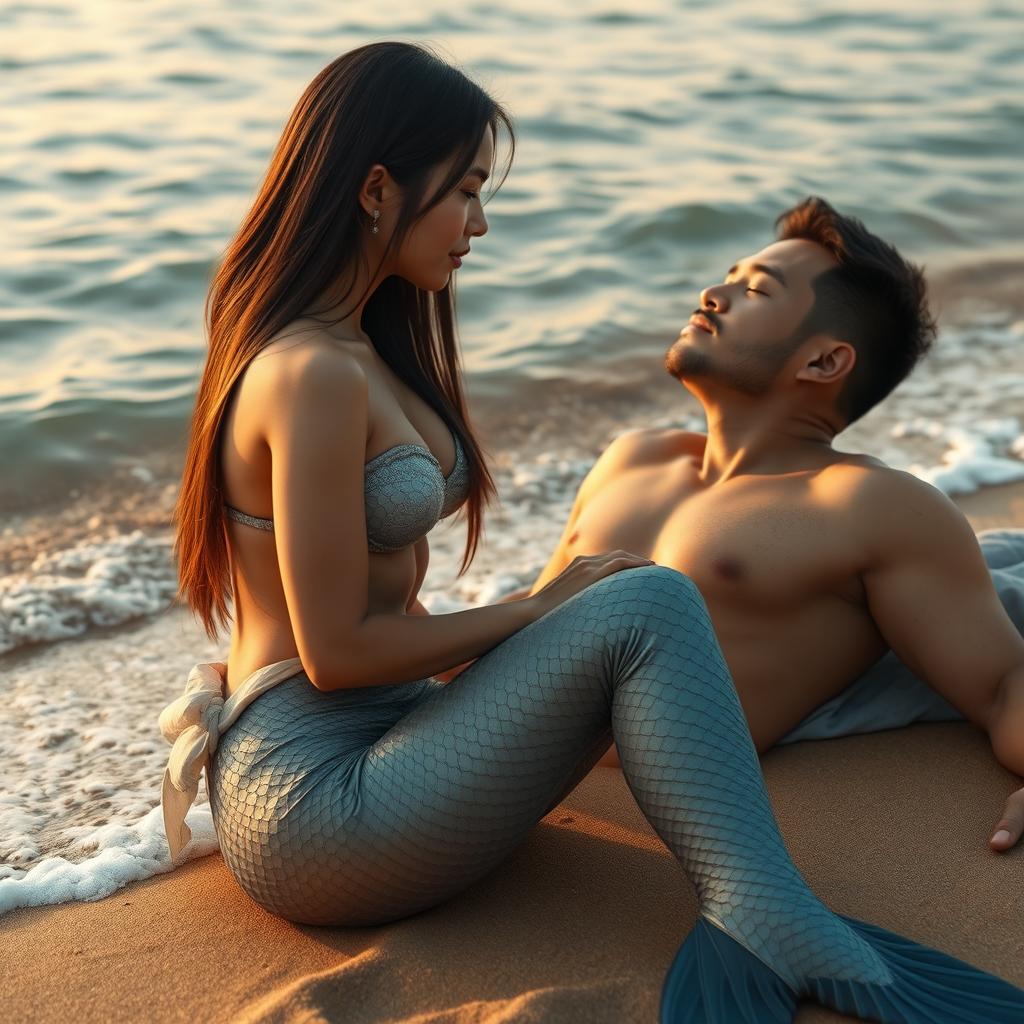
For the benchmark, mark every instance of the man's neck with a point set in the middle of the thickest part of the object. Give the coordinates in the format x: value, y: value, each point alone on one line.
x: 757, y: 439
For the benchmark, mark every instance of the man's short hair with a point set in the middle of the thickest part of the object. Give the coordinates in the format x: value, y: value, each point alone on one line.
x: 874, y: 299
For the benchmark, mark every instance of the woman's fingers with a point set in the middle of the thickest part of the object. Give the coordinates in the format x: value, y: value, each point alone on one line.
x: 582, y: 572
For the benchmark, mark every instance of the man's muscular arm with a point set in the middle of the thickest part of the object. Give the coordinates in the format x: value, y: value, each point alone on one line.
x: 1006, y: 729
x: 1006, y: 722
x: 931, y: 595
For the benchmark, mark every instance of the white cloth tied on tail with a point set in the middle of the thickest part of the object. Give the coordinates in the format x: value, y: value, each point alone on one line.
x: 194, y: 723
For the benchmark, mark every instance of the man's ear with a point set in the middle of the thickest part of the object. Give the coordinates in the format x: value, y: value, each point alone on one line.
x: 828, y: 361
x: 378, y: 189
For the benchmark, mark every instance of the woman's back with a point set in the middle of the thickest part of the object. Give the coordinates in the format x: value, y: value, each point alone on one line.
x: 403, y: 435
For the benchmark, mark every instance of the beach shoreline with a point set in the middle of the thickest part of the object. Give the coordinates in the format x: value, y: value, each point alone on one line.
x: 656, y: 145
x: 574, y: 926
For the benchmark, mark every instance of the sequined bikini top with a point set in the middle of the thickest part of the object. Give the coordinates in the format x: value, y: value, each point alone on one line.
x: 406, y: 494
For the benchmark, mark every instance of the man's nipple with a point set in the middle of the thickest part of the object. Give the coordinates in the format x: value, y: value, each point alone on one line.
x: 727, y: 569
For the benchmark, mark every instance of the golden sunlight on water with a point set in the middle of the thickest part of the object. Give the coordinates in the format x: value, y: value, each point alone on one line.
x: 657, y: 142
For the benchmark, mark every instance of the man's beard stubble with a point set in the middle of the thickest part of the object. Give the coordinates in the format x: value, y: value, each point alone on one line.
x: 752, y: 375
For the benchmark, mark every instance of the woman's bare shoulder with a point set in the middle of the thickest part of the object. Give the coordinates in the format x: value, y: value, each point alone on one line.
x: 301, y: 374
x: 302, y: 342
x: 302, y: 357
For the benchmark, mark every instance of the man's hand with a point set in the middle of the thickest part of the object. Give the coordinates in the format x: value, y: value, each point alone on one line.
x: 1011, y: 824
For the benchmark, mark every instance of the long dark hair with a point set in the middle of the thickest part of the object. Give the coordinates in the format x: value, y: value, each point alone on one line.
x: 392, y: 103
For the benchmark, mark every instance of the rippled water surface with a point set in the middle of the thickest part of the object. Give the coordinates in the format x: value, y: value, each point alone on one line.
x: 657, y: 142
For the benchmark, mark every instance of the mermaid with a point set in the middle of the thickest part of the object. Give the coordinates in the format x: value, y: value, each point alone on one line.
x: 349, y: 785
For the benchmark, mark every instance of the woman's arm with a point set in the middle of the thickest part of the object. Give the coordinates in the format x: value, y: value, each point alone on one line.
x: 450, y: 674
x: 317, y: 443
x: 416, y: 608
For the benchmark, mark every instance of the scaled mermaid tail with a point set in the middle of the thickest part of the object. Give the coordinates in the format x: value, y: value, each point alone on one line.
x: 763, y: 940
x: 362, y: 806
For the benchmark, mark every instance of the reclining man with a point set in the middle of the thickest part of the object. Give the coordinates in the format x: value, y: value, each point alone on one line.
x: 813, y: 562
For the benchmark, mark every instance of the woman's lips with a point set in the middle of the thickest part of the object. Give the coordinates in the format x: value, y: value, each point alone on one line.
x: 456, y: 261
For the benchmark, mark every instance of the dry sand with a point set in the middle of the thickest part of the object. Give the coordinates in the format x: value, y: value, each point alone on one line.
x: 579, y: 925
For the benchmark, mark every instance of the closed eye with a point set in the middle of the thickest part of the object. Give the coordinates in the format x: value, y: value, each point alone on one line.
x: 470, y: 194
x: 750, y: 288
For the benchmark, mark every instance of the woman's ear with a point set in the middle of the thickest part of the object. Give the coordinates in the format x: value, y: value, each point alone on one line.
x: 379, y: 188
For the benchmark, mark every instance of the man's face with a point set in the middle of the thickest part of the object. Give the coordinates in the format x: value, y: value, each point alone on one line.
x: 744, y: 329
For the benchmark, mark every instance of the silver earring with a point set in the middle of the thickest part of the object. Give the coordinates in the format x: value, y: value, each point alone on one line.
x: 376, y: 214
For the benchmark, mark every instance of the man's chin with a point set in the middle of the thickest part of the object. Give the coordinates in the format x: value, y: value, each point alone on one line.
x: 684, y: 363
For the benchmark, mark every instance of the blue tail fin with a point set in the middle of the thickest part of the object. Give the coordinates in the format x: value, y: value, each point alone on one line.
x: 928, y: 986
x: 715, y: 980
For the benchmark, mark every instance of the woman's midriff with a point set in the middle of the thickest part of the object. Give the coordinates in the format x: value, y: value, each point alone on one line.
x: 262, y: 633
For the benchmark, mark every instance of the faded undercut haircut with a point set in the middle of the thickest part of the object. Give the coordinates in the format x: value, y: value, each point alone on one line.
x: 874, y: 299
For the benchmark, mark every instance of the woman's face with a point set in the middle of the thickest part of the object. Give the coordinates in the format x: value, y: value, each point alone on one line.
x: 437, y: 242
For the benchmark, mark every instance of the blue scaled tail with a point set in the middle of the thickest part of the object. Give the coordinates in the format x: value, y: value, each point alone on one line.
x: 716, y: 980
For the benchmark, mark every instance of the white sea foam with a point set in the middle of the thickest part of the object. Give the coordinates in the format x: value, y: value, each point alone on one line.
x: 79, y: 811
x: 115, y: 855
x: 94, y: 583
x: 970, y: 460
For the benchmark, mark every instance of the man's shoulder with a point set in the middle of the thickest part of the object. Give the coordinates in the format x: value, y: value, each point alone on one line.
x: 870, y: 479
x: 896, y: 510
x: 636, y: 448
x: 653, y: 444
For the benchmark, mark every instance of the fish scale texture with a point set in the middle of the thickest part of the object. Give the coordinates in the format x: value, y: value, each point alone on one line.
x: 362, y: 806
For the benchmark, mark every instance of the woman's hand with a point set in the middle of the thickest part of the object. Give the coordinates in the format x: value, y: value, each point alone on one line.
x: 579, y: 574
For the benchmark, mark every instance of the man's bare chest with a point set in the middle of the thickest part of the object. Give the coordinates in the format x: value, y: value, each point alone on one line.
x: 770, y: 543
